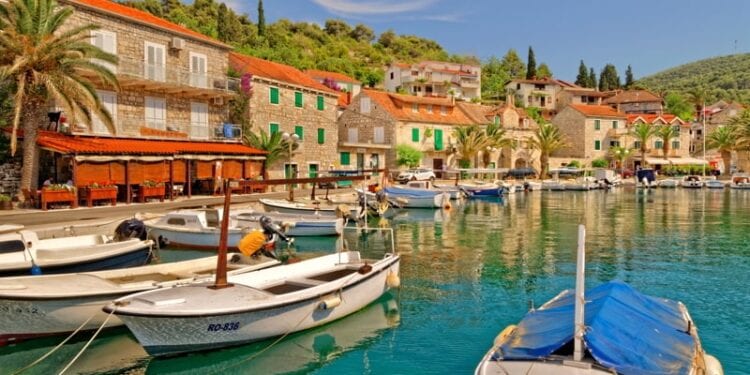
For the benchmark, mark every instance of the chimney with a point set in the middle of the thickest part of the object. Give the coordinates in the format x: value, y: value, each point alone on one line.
x: 348, y: 97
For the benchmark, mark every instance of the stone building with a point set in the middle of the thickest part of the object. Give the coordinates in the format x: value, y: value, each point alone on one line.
x: 435, y: 79
x: 284, y: 99
x: 540, y: 93
x: 344, y: 82
x: 679, y: 150
x: 520, y: 128
x: 636, y: 101
x: 589, y: 131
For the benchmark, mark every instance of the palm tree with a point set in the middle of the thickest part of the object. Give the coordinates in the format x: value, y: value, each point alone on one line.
x: 642, y: 132
x: 724, y: 139
x: 547, y: 139
x: 741, y: 127
x: 698, y: 96
x: 496, y: 139
x: 666, y: 133
x: 469, y: 141
x: 274, y: 144
x: 620, y: 154
x: 44, y: 62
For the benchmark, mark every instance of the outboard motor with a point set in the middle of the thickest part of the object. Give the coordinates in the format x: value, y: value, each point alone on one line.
x: 131, y: 228
x: 269, y: 228
x: 381, y: 196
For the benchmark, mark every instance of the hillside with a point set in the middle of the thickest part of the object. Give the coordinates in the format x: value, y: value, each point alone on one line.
x: 725, y: 77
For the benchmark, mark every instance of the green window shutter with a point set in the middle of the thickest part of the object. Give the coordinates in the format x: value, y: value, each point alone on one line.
x: 597, y: 145
x: 438, y: 139
x: 497, y: 120
x: 597, y: 124
x: 298, y: 99
x: 345, y: 158
x: 321, y: 136
x: 274, y: 95
x: 321, y: 103
x: 312, y: 170
x: 300, y: 131
x: 273, y: 128
x: 614, y: 124
x: 415, y: 134
x: 675, y: 145
x: 658, y: 145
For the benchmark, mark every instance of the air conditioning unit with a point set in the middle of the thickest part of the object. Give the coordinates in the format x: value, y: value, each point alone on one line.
x: 177, y: 43
x: 218, y: 101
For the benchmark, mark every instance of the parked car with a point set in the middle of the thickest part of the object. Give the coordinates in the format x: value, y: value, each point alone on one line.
x: 417, y: 174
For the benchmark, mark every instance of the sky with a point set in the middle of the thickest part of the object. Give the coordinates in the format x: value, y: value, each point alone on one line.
x: 649, y: 35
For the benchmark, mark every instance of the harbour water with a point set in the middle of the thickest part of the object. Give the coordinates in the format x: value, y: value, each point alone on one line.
x: 469, y: 272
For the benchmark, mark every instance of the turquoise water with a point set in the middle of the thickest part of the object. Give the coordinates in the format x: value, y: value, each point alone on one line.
x: 469, y: 272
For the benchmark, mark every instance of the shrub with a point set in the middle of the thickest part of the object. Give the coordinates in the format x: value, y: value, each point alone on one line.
x: 5, y: 198
x: 409, y: 156
x: 599, y: 163
x: 574, y: 164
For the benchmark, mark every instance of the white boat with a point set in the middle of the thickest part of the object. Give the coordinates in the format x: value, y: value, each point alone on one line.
x: 607, y: 177
x: 56, y: 304
x: 581, y: 184
x: 668, y: 183
x: 313, y: 208
x: 267, y: 303
x: 691, y: 182
x: 293, y: 225
x: 740, y: 181
x: 411, y: 198
x: 552, y: 185
x: 532, y: 186
x: 611, y: 329
x: 714, y: 184
x: 23, y: 253
x: 453, y: 191
x: 194, y: 229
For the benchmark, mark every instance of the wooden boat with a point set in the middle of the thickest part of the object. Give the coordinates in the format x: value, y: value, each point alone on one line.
x: 552, y: 185
x: 714, y: 184
x: 481, y: 189
x: 23, y: 253
x: 46, y: 305
x: 312, y: 208
x: 194, y: 229
x: 691, y: 182
x: 411, y: 198
x: 740, y: 181
x: 617, y: 330
x: 293, y: 225
x: 258, y: 305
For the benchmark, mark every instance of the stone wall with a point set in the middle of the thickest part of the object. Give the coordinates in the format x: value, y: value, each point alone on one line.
x: 365, y: 124
x: 10, y: 177
x: 570, y: 121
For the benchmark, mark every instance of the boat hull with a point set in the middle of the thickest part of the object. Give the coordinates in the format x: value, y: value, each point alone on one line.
x: 473, y: 191
x: 310, y: 228
x: 133, y: 258
x: 195, y: 240
x: 171, y: 335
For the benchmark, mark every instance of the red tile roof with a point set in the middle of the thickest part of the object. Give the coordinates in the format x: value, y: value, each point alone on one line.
x: 633, y: 96
x: 597, y: 110
x: 338, y: 77
x: 344, y: 100
x: 127, y: 146
x: 123, y: 11
x: 400, y: 108
x: 275, y: 71
x: 652, y: 118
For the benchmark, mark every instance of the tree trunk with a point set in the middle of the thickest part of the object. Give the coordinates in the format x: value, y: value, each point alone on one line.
x: 726, y: 157
x: 33, y: 116
x: 544, y: 159
x: 665, y: 149
x: 643, y: 156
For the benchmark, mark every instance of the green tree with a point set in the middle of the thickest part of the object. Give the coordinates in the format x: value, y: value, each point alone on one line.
x: 620, y: 154
x: 666, y: 133
x: 494, y: 79
x: 608, y: 79
x: 47, y: 59
x: 496, y: 138
x: 678, y: 106
x: 592, y: 79
x: 724, y: 139
x: 470, y: 140
x: 387, y: 39
x: 543, y: 71
x: 599, y: 163
x: 547, y: 139
x: 698, y: 96
x: 408, y: 155
x: 582, y: 79
x: 261, y: 19
x: 362, y: 33
x: 531, y: 65
x: 512, y: 64
x: 642, y: 132
x: 277, y: 149
x: 741, y: 128
x: 628, y: 77
x: 337, y: 28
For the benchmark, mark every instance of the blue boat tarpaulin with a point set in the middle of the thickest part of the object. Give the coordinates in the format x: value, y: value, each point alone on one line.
x: 627, y: 331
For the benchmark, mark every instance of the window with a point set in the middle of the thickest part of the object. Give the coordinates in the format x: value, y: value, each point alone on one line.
x: 597, y: 145
x: 415, y: 134
x: 107, y: 42
x: 312, y: 170
x: 298, y: 99
x: 597, y: 124
x: 379, y: 134
x: 364, y: 105
x: 156, y: 113
x: 614, y: 143
x: 300, y: 131
x: 321, y: 136
x: 273, y: 95
x: 614, y: 124
x: 675, y: 145
x: 353, y: 135
x: 676, y: 129
x: 109, y: 102
x: 443, y: 111
x: 415, y: 108
x: 176, y: 221
x: 273, y: 128
x: 438, y: 139
x: 637, y: 145
x: 198, y: 120
x: 198, y: 70
x: 12, y: 246
x: 155, y: 62
x: 345, y: 158
x: 658, y: 145
x: 429, y: 108
x: 321, y: 103
x: 391, y: 75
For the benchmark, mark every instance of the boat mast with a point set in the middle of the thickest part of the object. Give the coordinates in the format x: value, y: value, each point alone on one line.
x: 579, y: 295
x: 221, y: 261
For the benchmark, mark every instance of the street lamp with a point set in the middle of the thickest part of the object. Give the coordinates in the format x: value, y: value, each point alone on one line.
x: 291, y: 140
x: 703, y: 115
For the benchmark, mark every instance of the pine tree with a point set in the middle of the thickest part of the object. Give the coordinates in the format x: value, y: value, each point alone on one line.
x: 261, y: 19
x: 628, y: 77
x: 531, y: 65
x: 543, y: 71
x: 592, y: 79
x: 582, y: 79
x: 608, y: 79
x: 222, y: 23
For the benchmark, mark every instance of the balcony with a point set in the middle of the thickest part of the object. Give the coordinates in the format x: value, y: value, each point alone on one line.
x: 161, y: 129
x: 136, y: 74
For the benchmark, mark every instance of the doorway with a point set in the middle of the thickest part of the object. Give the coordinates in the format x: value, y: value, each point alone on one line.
x: 360, y: 161
x: 437, y: 167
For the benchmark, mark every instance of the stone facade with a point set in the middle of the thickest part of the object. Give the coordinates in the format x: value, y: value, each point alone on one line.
x: 367, y: 136
x: 588, y: 137
x: 10, y: 177
x: 435, y: 78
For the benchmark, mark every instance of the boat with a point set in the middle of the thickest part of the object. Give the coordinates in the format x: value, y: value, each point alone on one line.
x: 194, y: 229
x: 23, y: 253
x: 532, y: 186
x: 293, y: 225
x: 57, y: 304
x: 714, y: 184
x: 740, y: 181
x: 552, y: 185
x: 478, y: 189
x: 612, y: 328
x: 584, y: 183
x: 606, y: 177
x: 411, y: 198
x: 453, y: 191
x: 691, y: 182
x: 668, y: 183
x: 645, y: 178
x: 316, y: 208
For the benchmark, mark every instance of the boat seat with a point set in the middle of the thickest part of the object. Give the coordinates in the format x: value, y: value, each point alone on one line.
x: 177, y: 275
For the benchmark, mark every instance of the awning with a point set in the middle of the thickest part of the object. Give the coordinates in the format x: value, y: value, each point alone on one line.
x: 676, y: 161
x: 106, y: 146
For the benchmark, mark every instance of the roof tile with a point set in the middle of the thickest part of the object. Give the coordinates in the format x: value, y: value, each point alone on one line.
x: 273, y: 70
x: 633, y: 96
x: 400, y: 107
x: 339, y: 77
x: 598, y: 110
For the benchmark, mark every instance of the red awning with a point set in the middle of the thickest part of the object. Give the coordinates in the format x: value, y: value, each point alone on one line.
x: 86, y: 145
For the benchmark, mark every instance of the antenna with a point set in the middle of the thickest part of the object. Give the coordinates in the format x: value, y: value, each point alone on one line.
x: 579, y: 295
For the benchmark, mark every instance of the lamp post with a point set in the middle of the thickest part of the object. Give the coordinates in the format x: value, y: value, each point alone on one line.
x: 291, y: 140
x: 703, y: 115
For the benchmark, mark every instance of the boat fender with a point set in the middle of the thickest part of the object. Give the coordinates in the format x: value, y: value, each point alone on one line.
x: 330, y: 302
x: 504, y: 334
x: 713, y: 366
x: 392, y: 280
x: 447, y: 206
x: 252, y: 242
x: 288, y: 224
x: 365, y: 269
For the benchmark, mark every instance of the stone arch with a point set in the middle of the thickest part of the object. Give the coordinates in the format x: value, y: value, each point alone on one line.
x: 521, y: 163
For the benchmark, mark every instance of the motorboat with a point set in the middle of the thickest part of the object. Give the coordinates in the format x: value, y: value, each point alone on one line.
x: 713, y: 183
x: 194, y: 229
x: 293, y: 225
x: 645, y: 178
x: 478, y: 189
x: 607, y: 177
x: 532, y: 186
x: 552, y: 185
x: 584, y: 183
x: 669, y: 183
x: 691, y: 182
x: 319, y: 208
x: 612, y: 328
x: 256, y: 305
x: 453, y: 191
x: 740, y: 181
x: 412, y: 198
x: 24, y: 253
x: 57, y: 304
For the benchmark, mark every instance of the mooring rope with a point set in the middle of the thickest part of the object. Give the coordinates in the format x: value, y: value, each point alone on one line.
x: 89, y: 342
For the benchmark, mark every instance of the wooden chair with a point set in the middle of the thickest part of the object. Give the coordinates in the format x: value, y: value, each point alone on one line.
x: 31, y: 199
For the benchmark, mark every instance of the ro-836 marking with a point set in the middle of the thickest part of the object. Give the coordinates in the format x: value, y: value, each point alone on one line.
x: 230, y: 326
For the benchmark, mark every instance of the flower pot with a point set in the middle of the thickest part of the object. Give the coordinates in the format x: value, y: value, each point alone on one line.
x: 59, y: 196
x: 6, y: 205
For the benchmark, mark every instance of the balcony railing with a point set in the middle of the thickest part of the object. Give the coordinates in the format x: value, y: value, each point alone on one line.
x: 170, y: 75
x: 167, y: 129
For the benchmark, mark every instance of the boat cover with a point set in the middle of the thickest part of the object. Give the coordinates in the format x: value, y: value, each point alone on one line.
x: 396, y: 191
x: 627, y: 331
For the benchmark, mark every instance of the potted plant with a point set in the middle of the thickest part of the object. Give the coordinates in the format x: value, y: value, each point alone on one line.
x: 57, y: 193
x: 6, y: 203
x: 152, y: 189
x: 106, y: 190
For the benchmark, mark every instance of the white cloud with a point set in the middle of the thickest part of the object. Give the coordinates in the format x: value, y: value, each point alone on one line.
x: 351, y: 7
